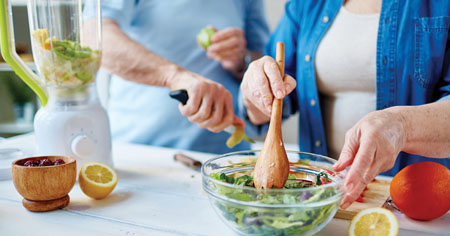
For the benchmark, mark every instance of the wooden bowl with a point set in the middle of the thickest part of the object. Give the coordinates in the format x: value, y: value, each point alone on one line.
x: 44, y: 188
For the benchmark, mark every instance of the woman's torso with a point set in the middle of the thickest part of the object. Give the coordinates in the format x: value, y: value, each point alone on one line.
x: 412, y: 60
x: 346, y: 74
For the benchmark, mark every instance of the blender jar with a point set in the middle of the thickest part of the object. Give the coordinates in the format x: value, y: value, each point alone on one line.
x: 66, y: 40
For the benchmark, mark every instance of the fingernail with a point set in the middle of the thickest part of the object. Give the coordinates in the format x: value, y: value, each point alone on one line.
x: 287, y: 87
x: 335, y: 165
x: 345, y: 204
x: 280, y: 94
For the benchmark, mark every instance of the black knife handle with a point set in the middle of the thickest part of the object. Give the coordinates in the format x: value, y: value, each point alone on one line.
x: 180, y: 95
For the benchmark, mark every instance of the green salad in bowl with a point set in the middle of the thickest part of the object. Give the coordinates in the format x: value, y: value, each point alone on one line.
x: 306, y: 203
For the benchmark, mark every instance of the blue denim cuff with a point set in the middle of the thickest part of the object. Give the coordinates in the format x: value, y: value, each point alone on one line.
x: 259, y: 130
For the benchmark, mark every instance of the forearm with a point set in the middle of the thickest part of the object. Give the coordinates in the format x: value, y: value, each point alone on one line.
x: 132, y: 61
x: 427, y: 128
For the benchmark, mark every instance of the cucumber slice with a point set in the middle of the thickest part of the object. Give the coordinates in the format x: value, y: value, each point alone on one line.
x: 204, y: 37
x: 237, y: 137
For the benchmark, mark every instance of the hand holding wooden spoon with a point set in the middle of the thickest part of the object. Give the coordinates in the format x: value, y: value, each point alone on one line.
x: 272, y: 166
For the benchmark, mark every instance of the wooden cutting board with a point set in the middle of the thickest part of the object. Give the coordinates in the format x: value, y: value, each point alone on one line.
x: 375, y: 195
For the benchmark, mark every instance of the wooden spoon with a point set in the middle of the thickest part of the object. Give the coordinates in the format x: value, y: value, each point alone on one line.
x: 272, y: 166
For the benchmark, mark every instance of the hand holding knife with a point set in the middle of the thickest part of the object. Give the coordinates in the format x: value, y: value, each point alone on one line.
x: 237, y: 132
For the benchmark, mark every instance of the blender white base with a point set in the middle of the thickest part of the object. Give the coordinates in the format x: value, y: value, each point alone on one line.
x: 81, y: 133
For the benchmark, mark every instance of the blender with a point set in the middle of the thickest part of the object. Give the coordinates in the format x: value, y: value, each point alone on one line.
x: 66, y: 45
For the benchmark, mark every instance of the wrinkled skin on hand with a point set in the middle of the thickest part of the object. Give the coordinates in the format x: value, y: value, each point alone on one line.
x: 261, y: 84
x: 229, y: 47
x: 210, y: 105
x: 371, y: 147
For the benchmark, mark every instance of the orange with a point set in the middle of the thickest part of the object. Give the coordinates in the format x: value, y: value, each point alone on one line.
x: 422, y: 190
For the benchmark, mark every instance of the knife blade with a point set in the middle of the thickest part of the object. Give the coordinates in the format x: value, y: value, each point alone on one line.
x: 182, y: 96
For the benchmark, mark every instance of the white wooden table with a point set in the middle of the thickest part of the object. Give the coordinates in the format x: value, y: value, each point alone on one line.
x: 154, y: 196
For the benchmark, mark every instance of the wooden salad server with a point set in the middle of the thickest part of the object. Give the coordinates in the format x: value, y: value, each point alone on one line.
x: 272, y: 166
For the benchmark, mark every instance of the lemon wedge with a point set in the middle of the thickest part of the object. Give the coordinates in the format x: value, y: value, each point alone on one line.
x: 375, y: 221
x: 97, y: 180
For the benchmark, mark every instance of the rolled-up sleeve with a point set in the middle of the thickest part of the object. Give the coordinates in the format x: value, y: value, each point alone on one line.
x: 121, y: 11
x: 287, y: 32
x: 256, y: 28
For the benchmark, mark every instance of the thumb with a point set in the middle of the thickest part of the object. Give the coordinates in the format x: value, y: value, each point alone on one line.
x: 289, y: 84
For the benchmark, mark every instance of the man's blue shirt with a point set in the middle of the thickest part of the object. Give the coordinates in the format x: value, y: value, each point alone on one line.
x: 413, y: 61
x: 146, y: 114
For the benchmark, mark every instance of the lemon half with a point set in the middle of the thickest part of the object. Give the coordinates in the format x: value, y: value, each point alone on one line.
x: 97, y: 180
x: 375, y: 221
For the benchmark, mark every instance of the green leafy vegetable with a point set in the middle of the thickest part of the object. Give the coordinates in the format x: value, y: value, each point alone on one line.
x: 70, y: 50
x: 83, y: 76
x: 298, y: 184
x: 319, y: 176
x: 274, y: 221
x: 64, y: 62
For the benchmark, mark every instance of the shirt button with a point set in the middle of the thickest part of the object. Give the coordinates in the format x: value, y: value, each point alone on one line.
x: 387, y: 20
x: 325, y: 19
x: 312, y: 102
x: 384, y: 60
x: 318, y: 143
x: 307, y: 57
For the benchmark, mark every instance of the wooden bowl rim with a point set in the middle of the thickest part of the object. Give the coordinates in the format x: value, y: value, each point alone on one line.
x: 17, y: 165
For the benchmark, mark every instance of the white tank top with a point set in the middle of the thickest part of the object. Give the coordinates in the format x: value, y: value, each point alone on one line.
x: 346, y: 74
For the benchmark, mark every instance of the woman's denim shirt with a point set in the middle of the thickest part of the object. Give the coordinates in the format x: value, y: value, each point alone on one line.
x: 413, y: 61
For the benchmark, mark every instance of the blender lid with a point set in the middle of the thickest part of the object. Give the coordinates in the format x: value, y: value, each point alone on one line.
x: 7, y: 156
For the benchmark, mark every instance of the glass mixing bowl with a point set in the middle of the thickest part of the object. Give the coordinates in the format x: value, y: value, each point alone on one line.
x: 252, y: 211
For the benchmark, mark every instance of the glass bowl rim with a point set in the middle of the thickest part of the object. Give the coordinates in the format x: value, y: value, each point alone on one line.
x: 336, y: 184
